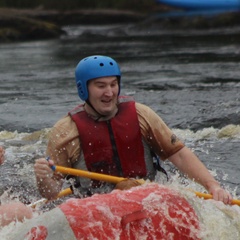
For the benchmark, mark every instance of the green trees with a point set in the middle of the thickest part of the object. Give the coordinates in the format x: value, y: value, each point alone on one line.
x: 19, y: 3
x: 80, y: 4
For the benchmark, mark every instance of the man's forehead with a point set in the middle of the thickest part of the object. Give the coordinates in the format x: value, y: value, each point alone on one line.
x: 105, y: 79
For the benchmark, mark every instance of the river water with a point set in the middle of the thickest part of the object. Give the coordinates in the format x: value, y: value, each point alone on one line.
x: 190, y: 78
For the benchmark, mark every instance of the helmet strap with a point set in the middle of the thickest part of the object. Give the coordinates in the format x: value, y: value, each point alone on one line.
x: 99, y: 114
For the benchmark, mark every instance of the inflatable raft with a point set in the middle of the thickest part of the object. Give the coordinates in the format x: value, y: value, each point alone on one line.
x: 203, y: 4
x: 150, y: 211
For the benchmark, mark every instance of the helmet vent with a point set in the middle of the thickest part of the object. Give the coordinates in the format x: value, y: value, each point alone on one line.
x: 101, y: 64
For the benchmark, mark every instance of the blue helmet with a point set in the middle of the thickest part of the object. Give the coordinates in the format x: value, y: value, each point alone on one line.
x: 94, y: 67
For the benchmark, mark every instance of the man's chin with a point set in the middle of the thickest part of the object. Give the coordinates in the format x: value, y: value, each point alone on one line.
x: 107, y: 112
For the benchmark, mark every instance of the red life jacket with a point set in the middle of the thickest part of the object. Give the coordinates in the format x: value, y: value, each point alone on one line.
x: 101, y: 141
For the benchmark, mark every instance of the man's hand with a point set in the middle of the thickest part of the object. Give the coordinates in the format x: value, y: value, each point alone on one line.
x: 42, y: 168
x: 219, y: 194
x: 127, y: 184
x: 48, y: 184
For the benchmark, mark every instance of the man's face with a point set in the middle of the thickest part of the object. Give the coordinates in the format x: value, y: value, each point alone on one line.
x: 103, y: 94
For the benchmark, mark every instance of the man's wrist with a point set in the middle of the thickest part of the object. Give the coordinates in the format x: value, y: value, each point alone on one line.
x: 212, y: 184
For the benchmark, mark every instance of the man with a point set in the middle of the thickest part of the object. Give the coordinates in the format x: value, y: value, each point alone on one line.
x: 114, y: 135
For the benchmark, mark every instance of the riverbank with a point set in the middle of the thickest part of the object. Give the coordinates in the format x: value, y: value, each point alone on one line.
x: 18, y: 25
x: 35, y: 24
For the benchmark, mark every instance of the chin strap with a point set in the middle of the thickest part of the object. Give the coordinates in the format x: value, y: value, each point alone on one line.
x: 99, y: 114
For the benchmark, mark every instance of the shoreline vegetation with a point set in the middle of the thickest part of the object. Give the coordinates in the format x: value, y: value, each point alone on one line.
x: 33, y: 24
x: 38, y: 23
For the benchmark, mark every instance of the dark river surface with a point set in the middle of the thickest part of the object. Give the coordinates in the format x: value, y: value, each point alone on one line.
x: 190, y: 78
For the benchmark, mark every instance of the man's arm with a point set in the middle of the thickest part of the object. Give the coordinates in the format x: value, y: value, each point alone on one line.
x: 188, y: 163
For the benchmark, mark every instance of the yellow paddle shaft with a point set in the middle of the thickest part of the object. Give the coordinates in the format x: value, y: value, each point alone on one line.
x: 63, y: 193
x: 92, y: 175
x: 80, y: 173
x: 209, y: 196
x: 115, y: 180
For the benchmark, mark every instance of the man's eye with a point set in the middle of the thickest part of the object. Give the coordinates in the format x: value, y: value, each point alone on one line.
x: 100, y: 85
x: 114, y: 84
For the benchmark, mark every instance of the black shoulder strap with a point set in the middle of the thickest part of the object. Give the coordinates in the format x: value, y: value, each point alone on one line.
x: 157, y: 165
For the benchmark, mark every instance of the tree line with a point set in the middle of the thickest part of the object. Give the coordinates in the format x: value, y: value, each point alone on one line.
x: 78, y: 4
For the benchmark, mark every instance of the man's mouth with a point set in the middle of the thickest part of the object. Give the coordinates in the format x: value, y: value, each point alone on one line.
x: 106, y: 101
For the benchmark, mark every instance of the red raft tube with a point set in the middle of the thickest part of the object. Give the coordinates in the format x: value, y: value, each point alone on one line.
x: 150, y: 211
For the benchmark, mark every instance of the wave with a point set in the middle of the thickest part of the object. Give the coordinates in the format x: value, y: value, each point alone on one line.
x: 34, y: 136
x: 228, y: 131
x: 22, y: 148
